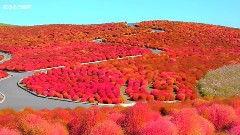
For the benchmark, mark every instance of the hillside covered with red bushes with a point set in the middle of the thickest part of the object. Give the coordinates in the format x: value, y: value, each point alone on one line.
x: 205, y: 116
x: 191, y: 50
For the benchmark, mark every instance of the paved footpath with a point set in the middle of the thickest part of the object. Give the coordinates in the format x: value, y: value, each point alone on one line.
x: 17, y: 98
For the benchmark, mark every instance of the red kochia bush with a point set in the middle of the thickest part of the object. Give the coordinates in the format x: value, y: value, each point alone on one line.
x: 31, y: 124
x: 138, y: 116
x: 75, y: 98
x: 86, y: 121
x: 8, y: 131
x: 1, y: 57
x: 235, y: 127
x: 206, y: 126
x: 117, y: 117
x: 235, y: 130
x: 62, y: 116
x: 220, y: 115
x: 143, y: 118
x: 107, y: 127
x: 188, y: 122
x: 3, y: 74
x: 161, y: 126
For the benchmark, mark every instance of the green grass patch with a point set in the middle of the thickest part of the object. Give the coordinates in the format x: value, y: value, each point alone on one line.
x: 2, y: 24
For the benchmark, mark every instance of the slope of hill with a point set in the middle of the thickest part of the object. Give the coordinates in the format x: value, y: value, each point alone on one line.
x: 2, y: 24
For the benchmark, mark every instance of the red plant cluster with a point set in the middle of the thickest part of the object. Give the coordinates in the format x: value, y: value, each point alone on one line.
x: 137, y: 90
x: 182, y: 35
x: 166, y: 83
x: 177, y: 36
x: 184, y: 68
x: 34, y: 47
x: 1, y: 57
x: 68, y: 54
x: 3, y: 74
x: 172, y: 74
x: 191, y: 51
x: 17, y: 37
x: 165, y: 86
x: 88, y: 83
x: 211, y: 115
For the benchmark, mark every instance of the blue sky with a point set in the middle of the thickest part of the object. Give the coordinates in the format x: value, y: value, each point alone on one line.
x: 218, y: 12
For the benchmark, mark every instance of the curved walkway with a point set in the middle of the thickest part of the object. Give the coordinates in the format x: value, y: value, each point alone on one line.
x: 17, y: 98
x: 153, y: 30
x: 7, y: 56
x: 133, y: 26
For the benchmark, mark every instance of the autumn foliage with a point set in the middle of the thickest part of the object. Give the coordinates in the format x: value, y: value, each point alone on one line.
x: 3, y: 74
x: 1, y: 57
x: 202, y: 116
x: 190, y: 51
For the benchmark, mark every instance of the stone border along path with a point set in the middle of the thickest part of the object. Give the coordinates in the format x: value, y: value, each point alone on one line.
x: 2, y: 98
x: 17, y: 99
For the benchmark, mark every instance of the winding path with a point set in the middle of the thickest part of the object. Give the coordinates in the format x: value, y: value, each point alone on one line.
x: 17, y: 98
x: 153, y: 30
x: 7, y: 57
x: 133, y: 26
